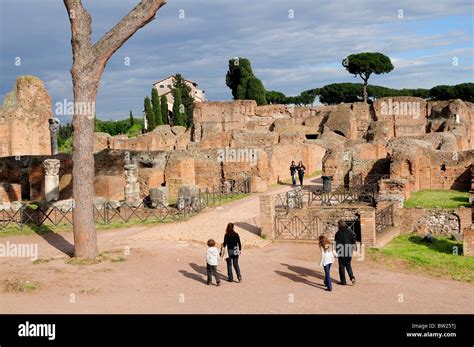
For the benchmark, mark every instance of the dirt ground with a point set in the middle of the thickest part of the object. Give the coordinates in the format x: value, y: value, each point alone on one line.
x: 161, y: 269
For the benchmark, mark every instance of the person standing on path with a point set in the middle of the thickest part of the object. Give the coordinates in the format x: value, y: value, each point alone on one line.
x: 301, y: 170
x: 212, y: 255
x: 327, y: 259
x: 345, y: 246
x: 234, y: 249
x: 293, y: 169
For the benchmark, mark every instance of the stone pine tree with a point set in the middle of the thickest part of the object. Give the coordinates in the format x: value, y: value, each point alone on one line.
x: 164, y: 109
x: 89, y: 61
x: 365, y: 64
x: 179, y: 113
x: 155, y: 103
x: 179, y: 83
x: 132, y: 121
x: 150, y: 116
x: 243, y: 83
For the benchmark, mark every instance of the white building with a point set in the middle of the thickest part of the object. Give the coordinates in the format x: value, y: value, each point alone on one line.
x: 164, y: 88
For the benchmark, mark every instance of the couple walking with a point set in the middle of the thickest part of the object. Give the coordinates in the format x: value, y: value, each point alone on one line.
x: 345, y: 245
x: 300, y: 169
x: 234, y: 249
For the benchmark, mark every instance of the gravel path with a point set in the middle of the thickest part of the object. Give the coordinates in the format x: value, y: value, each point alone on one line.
x: 211, y: 224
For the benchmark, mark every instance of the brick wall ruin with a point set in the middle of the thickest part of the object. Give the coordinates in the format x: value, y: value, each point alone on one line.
x: 24, y: 128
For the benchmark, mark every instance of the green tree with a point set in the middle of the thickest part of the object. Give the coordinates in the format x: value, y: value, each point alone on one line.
x: 335, y: 93
x: 275, y: 97
x: 179, y: 112
x: 243, y: 83
x: 365, y: 64
x: 132, y: 121
x: 155, y: 103
x: 164, y: 109
x: 187, y: 98
x: 149, y: 114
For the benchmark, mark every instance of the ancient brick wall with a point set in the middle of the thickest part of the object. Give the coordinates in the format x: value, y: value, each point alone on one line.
x: 24, y: 127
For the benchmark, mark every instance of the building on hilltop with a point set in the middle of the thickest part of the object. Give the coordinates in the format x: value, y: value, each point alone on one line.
x: 164, y: 86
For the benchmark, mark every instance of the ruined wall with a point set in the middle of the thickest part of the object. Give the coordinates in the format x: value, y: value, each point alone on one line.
x: 24, y: 127
x: 162, y: 138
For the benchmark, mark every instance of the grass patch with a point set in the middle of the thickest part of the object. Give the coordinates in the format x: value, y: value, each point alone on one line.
x: 427, y: 198
x: 19, y: 286
x: 102, y: 257
x: 437, y: 259
x: 42, y: 261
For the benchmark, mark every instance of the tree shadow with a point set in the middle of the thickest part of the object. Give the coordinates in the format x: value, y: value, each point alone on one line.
x: 54, y: 239
x: 440, y: 245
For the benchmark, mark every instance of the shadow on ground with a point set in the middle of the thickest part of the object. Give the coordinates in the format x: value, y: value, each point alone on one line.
x: 254, y: 229
x: 300, y: 275
x: 199, y: 273
x: 55, y: 239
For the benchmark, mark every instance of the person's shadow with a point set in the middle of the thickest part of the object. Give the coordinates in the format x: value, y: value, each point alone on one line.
x: 198, y: 274
x: 300, y: 275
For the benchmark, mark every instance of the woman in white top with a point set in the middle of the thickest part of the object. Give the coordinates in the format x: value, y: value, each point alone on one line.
x: 327, y: 258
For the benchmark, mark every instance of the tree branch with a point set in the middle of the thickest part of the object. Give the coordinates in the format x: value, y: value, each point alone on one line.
x: 81, y: 28
x: 138, y: 17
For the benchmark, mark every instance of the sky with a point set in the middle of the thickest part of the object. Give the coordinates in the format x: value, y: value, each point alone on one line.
x: 293, y: 45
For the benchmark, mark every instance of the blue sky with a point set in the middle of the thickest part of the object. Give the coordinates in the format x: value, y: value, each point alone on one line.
x: 287, y: 54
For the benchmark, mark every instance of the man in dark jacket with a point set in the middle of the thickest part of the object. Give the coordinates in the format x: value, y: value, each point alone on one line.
x: 293, y: 169
x: 345, y: 246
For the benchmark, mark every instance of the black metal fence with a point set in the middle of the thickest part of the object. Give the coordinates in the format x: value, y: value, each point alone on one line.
x: 384, y: 218
x: 123, y: 212
x: 298, y: 198
x: 308, y: 227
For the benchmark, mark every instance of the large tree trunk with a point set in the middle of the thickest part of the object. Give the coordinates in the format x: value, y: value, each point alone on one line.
x: 365, y: 91
x: 89, y: 62
x: 85, y: 237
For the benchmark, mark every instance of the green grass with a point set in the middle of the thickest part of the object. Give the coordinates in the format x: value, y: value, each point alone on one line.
x: 437, y: 259
x: 437, y: 199
x: 19, y: 286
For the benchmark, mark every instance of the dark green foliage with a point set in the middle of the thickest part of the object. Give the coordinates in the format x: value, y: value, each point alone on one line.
x: 255, y: 90
x: 179, y: 112
x: 187, y: 99
x: 243, y: 83
x: 132, y: 121
x: 336, y: 93
x: 274, y: 97
x: 164, y: 109
x: 150, y: 116
x: 155, y: 103
x: 463, y: 91
x: 365, y: 64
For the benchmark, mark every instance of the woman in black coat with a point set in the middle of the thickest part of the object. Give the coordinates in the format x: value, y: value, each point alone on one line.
x: 234, y: 248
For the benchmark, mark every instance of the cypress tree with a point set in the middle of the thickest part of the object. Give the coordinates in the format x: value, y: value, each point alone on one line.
x: 155, y: 103
x: 164, y: 109
x: 132, y: 121
x: 149, y: 114
x: 178, y: 110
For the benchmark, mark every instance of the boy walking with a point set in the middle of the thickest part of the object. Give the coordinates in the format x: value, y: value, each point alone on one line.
x: 212, y: 255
